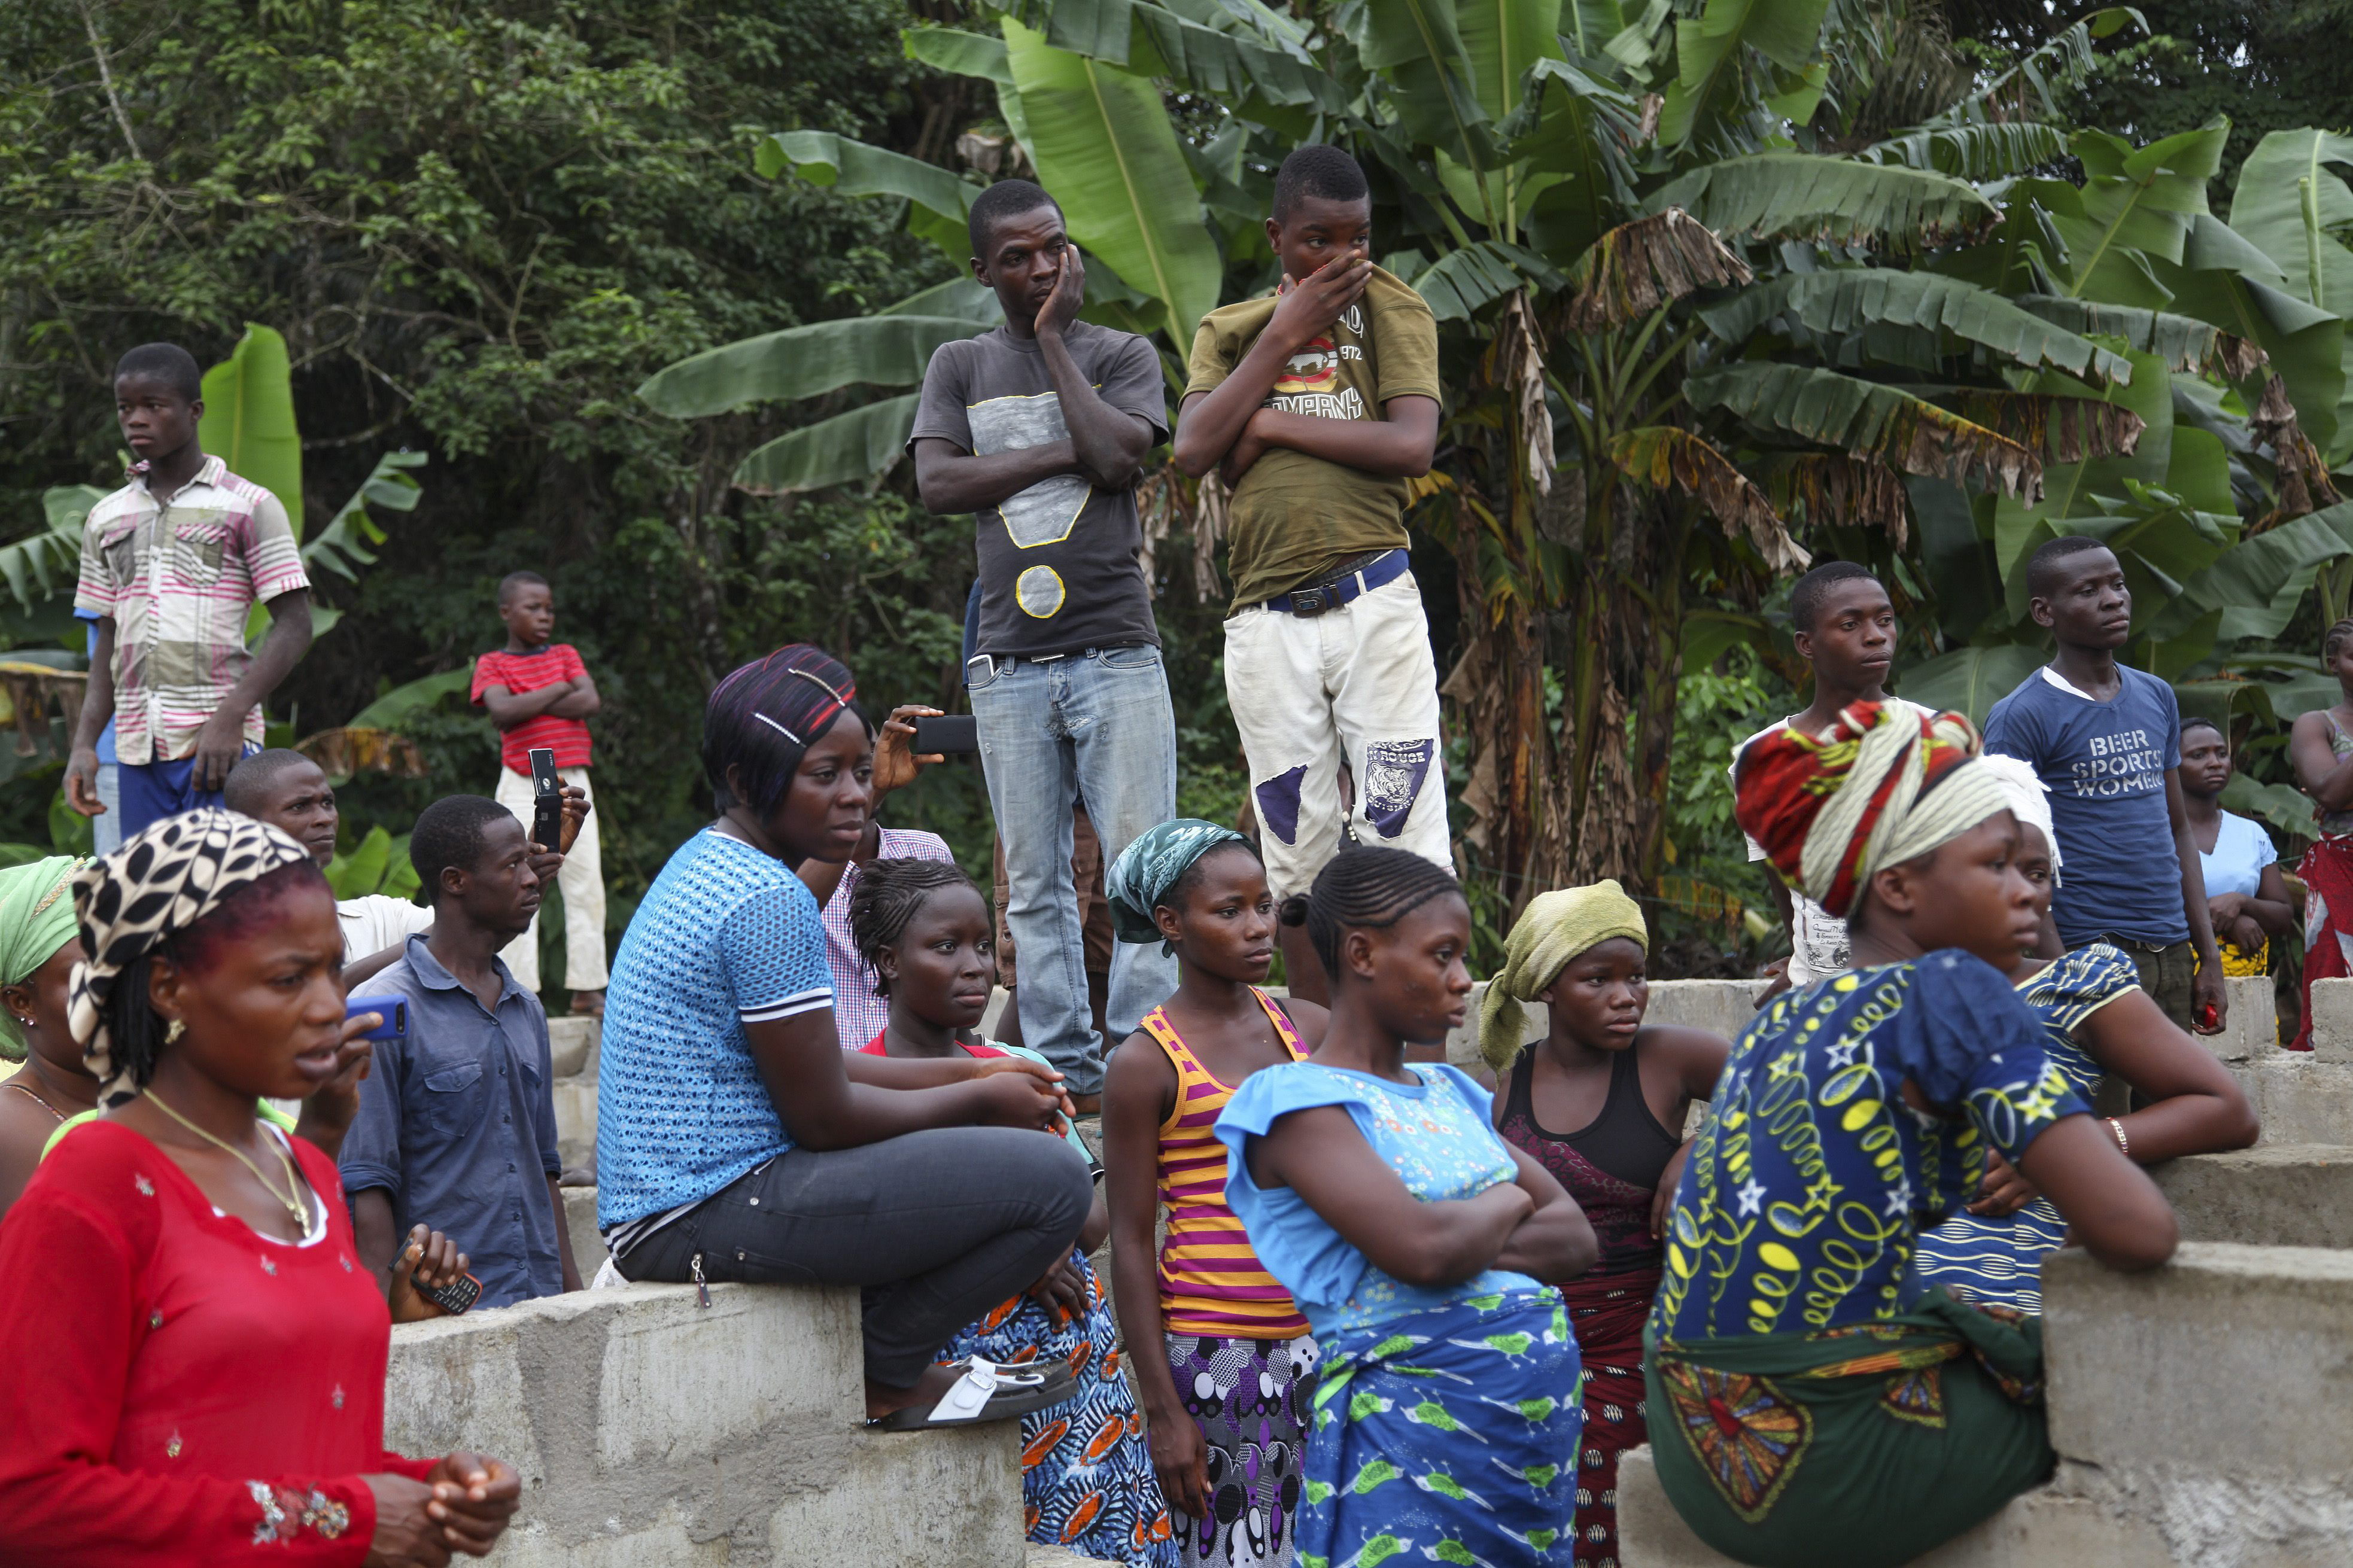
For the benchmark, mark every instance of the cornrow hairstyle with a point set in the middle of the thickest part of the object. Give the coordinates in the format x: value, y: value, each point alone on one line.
x: 2334, y: 639
x: 134, y: 1028
x: 1806, y: 598
x: 1365, y: 890
x: 170, y: 363
x: 1005, y: 199
x: 888, y: 895
x: 761, y: 719
x: 1324, y: 173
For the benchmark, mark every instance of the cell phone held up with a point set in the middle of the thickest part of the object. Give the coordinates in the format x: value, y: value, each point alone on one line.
x: 393, y: 1009
x: 546, y: 800
x: 947, y: 734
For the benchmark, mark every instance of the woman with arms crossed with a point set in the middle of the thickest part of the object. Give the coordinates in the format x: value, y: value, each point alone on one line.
x: 1446, y: 1412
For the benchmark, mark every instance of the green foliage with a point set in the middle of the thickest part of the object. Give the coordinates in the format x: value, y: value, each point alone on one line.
x: 248, y: 420
x: 378, y: 864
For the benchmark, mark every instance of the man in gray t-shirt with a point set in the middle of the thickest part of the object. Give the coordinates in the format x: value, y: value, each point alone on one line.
x: 1039, y: 429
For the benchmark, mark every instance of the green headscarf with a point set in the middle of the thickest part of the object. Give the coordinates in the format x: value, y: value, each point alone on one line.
x: 1139, y: 880
x: 37, y: 918
x: 1554, y: 927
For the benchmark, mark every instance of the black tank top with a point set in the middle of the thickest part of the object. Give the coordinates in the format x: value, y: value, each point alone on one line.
x: 1625, y: 1141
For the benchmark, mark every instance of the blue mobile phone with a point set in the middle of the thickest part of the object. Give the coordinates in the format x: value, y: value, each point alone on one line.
x: 396, y: 1016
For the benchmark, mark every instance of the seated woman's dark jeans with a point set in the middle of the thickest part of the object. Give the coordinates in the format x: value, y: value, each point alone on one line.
x: 937, y: 1228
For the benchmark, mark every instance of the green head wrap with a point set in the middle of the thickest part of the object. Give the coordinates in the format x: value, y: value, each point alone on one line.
x: 1554, y: 927
x: 37, y: 918
x: 1139, y: 880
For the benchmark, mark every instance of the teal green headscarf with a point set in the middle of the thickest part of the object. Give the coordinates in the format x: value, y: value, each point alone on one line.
x: 37, y: 918
x: 1139, y: 880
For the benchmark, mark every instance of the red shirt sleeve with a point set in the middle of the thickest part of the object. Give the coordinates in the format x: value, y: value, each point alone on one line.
x: 572, y: 666
x: 69, y: 1284
x: 487, y: 674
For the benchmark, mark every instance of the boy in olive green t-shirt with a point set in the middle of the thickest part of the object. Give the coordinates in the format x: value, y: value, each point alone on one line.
x: 1316, y: 406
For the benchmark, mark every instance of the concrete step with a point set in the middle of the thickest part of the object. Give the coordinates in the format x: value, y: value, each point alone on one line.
x: 2274, y: 1194
x: 572, y: 1043
x: 580, y: 1219
x: 651, y: 1432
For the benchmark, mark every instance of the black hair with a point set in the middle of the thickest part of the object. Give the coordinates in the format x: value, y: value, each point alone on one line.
x: 2334, y: 638
x: 761, y: 719
x: 1806, y: 598
x: 2203, y: 723
x: 2043, y: 566
x: 1324, y: 173
x: 134, y: 1029
x: 888, y: 895
x: 449, y: 833
x: 241, y: 791
x: 1189, y: 879
x: 170, y: 363
x: 1005, y: 199
x: 1365, y: 890
x: 513, y: 580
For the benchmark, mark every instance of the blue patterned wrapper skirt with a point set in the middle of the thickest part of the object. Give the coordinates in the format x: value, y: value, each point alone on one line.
x: 1447, y: 1437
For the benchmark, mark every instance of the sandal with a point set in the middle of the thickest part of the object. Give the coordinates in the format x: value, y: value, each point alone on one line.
x: 988, y: 1391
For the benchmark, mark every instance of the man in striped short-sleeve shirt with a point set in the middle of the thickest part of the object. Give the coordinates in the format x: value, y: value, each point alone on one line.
x: 172, y: 566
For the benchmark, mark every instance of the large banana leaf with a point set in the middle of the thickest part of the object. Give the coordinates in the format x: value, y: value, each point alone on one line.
x: 1974, y: 151
x: 1234, y: 61
x: 1869, y: 420
x: 402, y: 704
x: 55, y: 548
x: 1970, y: 680
x: 939, y: 200
x: 1636, y: 268
x: 1710, y: 59
x: 964, y: 299
x: 2183, y: 343
x: 1103, y: 146
x: 1798, y: 195
x: 1665, y: 456
x: 248, y: 420
x: 959, y: 53
x: 1419, y: 44
x: 2306, y: 345
x: 1583, y: 131
x: 836, y: 451
x: 2137, y: 202
x: 2259, y: 584
x: 802, y: 362
x: 1501, y: 41
x: 2295, y: 210
x: 1461, y: 282
x: 343, y: 545
x: 1850, y: 299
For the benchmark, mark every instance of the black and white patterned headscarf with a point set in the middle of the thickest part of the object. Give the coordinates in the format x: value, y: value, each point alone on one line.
x: 159, y: 883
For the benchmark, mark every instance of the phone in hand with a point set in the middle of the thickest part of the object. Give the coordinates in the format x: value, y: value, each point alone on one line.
x: 546, y: 800
x: 949, y: 734
x: 393, y: 1010
x: 453, y: 1298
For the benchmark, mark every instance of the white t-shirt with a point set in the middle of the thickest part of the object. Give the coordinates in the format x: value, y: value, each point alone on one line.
x: 376, y: 921
x: 1818, y: 940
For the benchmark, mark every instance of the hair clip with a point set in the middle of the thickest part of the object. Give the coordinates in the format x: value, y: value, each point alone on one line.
x: 779, y: 729
x: 837, y: 695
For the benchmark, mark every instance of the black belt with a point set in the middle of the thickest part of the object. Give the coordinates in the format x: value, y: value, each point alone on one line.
x: 1374, y: 572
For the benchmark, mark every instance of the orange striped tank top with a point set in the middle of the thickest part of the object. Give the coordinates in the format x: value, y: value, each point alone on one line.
x: 1210, y: 1280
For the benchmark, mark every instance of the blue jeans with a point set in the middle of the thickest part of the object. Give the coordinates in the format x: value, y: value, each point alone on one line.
x: 153, y: 791
x: 1095, y: 726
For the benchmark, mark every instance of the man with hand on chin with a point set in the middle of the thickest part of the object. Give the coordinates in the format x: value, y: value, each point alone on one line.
x: 456, y: 1122
x: 1039, y: 429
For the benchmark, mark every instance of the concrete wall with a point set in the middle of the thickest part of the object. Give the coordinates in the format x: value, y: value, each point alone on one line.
x: 652, y: 1432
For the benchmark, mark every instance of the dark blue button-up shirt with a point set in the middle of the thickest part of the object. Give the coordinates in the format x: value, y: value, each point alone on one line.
x: 457, y: 1123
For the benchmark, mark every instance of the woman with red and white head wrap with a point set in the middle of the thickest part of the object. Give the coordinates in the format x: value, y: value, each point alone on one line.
x: 1808, y: 1402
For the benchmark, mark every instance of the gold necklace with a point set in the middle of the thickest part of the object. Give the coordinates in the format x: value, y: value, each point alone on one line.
x: 294, y: 1205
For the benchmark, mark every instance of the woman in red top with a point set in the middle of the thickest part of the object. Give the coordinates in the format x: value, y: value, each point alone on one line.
x: 197, y: 1365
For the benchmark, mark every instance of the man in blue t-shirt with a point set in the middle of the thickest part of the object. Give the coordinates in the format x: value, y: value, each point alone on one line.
x: 2106, y: 741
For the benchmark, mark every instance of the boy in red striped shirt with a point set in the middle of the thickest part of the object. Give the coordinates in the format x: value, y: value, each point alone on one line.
x: 539, y: 694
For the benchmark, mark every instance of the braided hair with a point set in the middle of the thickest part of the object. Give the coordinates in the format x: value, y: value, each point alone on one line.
x: 888, y: 895
x: 1365, y: 890
x: 2334, y: 639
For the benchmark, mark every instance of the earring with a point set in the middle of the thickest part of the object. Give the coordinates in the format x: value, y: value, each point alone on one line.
x: 172, y: 1036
